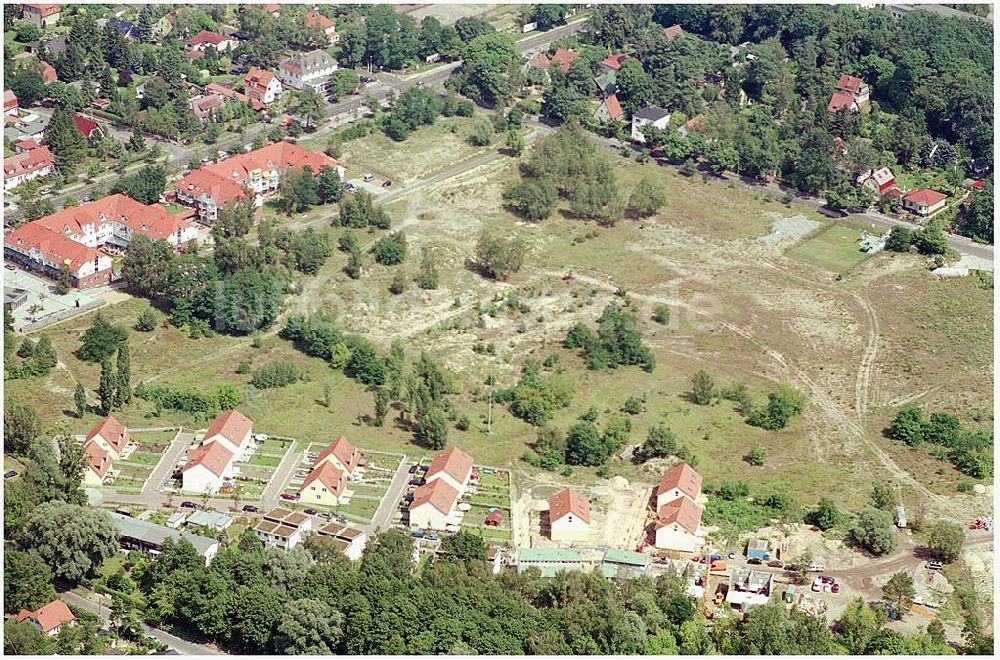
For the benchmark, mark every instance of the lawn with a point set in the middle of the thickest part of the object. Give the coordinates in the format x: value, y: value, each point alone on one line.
x: 265, y: 461
x: 151, y: 438
x: 835, y: 248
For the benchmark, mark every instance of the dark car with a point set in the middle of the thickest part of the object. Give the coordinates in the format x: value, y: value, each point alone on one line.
x: 414, y: 482
x: 310, y: 512
x: 791, y: 567
x: 409, y: 497
x: 756, y: 561
x: 250, y: 508
x: 10, y: 474
x: 777, y: 563
x: 188, y: 504
x: 413, y: 468
x: 387, y: 183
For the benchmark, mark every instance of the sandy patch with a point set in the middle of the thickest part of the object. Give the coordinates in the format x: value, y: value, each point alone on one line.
x: 787, y: 230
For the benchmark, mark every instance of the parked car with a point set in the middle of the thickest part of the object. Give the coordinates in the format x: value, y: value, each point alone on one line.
x: 290, y: 497
x: 310, y: 512
x: 206, y: 159
x: 756, y: 561
x: 46, y: 191
x: 409, y: 497
x: 341, y: 519
x: 387, y: 183
x: 432, y: 536
x: 732, y: 555
x: 326, y: 514
x: 350, y: 187
x: 413, y: 469
x: 791, y: 567
x: 417, y: 534
x: 835, y: 588
x: 9, y: 266
x: 187, y: 504
x: 10, y: 474
x: 776, y: 563
x: 368, y: 177
x: 414, y: 482
x: 250, y: 508
x: 934, y: 565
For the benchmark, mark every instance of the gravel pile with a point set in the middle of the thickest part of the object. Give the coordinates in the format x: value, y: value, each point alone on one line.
x: 789, y: 229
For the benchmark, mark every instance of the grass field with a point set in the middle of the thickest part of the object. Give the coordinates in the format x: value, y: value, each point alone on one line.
x: 835, y: 248
x: 153, y: 438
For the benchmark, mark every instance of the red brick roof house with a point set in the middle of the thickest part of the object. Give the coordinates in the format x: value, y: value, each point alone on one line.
x: 681, y: 511
x: 609, y: 110
x: 214, y: 456
x: 88, y: 128
x: 494, y: 518
x: 329, y: 478
x: 673, y: 32
x: 48, y: 72
x: 612, y: 63
x: 880, y: 180
x: 10, y: 103
x: 856, y: 87
x: 41, y: 14
x: 694, y: 125
x: 232, y: 428
x: 314, y: 19
x: 453, y: 465
x: 568, y: 501
x: 563, y: 58
x: 205, y: 40
x: 679, y: 481
x: 261, y: 85
x: 98, y: 463
x: 438, y: 494
x: 81, y: 222
x: 44, y: 251
x: 111, y: 435
x: 207, y: 193
x: 26, y: 164
x: 924, y: 201
x: 25, y: 145
x: 540, y: 61
x: 341, y: 454
x: 205, y: 107
x: 50, y: 618
x: 841, y: 100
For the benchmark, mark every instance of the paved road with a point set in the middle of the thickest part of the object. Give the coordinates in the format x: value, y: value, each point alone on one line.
x: 280, y: 479
x: 390, y: 501
x: 961, y: 244
x: 182, y: 646
x: 161, y: 473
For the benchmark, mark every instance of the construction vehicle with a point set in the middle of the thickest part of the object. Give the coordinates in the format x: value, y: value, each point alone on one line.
x: 718, y: 565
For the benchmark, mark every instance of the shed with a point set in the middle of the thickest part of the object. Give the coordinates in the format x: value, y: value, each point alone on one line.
x: 176, y: 520
x: 495, y: 518
x: 900, y: 517
x: 209, y: 519
x: 624, y: 564
x: 789, y: 594
x: 757, y: 549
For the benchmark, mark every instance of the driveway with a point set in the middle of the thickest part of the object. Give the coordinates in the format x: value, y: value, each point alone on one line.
x: 161, y: 473
x: 280, y: 479
x: 390, y: 501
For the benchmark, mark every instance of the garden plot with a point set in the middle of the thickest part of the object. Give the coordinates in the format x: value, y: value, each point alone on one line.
x: 490, y: 493
x: 129, y: 473
x: 255, y: 473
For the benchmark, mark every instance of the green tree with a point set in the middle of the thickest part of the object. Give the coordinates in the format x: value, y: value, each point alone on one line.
x: 930, y: 239
x: 584, y: 445
x: 635, y: 88
x: 755, y: 455
x: 27, y: 581
x: 899, y: 591
x: 309, y: 627
x: 107, y: 386
x: 329, y: 187
x: 427, y: 276
x: 101, y: 339
x: 354, y: 262
x: 44, y: 354
x: 908, y: 425
x: 485, y: 72
x: 482, y: 133
x: 73, y: 540
x: 826, y: 515
x: 24, y: 639
x: 856, y: 627
x: 702, y: 388
x: 660, y: 443
x: 21, y: 425
x: 123, y: 377
x: 945, y: 540
x: 533, y: 199
x: 498, y: 256
x: 136, y: 143
x: 464, y: 546
x: 432, y: 429
x: 782, y: 404
x: 884, y: 497
x: 390, y: 250
x: 899, y: 240
x: 382, y: 403
x: 147, y: 320
x: 67, y: 144
x: 515, y: 142
x: 80, y: 399
x: 64, y: 282
x: 874, y: 532
x: 646, y: 199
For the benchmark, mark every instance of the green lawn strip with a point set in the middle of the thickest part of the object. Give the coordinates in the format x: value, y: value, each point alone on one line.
x: 836, y: 248
x: 145, y: 438
x: 265, y: 461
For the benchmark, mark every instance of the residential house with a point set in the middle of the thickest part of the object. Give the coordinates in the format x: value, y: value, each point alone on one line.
x: 453, y: 466
x: 10, y: 103
x: 46, y: 252
x: 924, y: 201
x: 175, y: 520
x: 540, y: 61
x: 314, y: 19
x: 40, y: 14
x: 54, y: 46
x: 341, y: 454
x: 127, y: 29
x: 694, y: 125
x: 433, y: 505
x: 748, y: 588
x: 208, y: 467
x: 613, y: 63
x: 50, y: 618
x: 272, y: 8
x: 111, y: 435
x: 323, y: 485
x: 563, y: 58
x: 165, y: 25
x: 25, y: 146
x: 350, y: 540
x: 655, y: 117
x: 205, y: 40
x: 679, y: 481
x: 98, y: 465
x: 569, y: 516
x: 879, y: 181
x: 205, y: 107
x: 624, y: 564
x: 307, y: 70
x: 609, y: 110
x: 549, y: 561
x: 607, y: 83
x: 135, y: 534
x: 47, y: 72
x: 840, y: 101
x: 88, y: 128
x: 234, y: 430
x: 261, y: 85
x: 678, y: 526
x: 207, y: 193
x: 856, y: 87
x: 31, y: 127
x: 212, y: 521
x: 758, y: 549
x: 281, y: 528
x: 26, y: 165
x: 673, y: 31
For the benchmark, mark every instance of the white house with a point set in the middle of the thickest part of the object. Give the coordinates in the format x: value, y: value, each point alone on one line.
x: 281, y: 528
x: 48, y: 619
x: 307, y: 70
x: 350, y: 540
x: 433, y: 505
x: 111, y: 435
x: 98, y: 464
x: 679, y: 481
x: 234, y: 431
x: 924, y: 201
x: 453, y: 466
x: 323, y: 486
x: 656, y: 117
x: 569, y: 516
x: 41, y: 14
x: 261, y: 85
x: 207, y: 468
x: 678, y: 527
x: 25, y: 166
x: 341, y: 454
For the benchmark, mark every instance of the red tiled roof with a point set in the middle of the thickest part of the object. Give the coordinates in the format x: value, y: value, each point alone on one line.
x: 26, y: 145
x: 48, y: 73
x: 564, y: 58
x: 316, y: 19
x: 683, y: 477
x: 614, y: 61
x: 614, y: 108
x: 258, y: 78
x: 206, y: 37
x: 53, y: 247
x: 153, y: 220
x: 201, y: 182
x: 46, y: 10
x: 327, y: 475
x: 540, y: 61
x: 111, y: 430
x: 495, y: 517
x: 213, y: 456
x: 27, y: 161
x: 55, y: 613
x: 203, y: 107
x: 696, y: 123
x: 850, y: 84
x: 232, y: 425
x: 222, y: 90
x: 673, y: 31
x: 569, y: 501
x: 839, y: 100
x: 438, y: 494
x: 279, y: 155
x: 84, y: 125
x: 682, y: 511
x: 271, y: 8
x: 452, y: 461
x: 9, y: 100
x: 925, y: 197
x: 97, y: 459
x: 345, y: 452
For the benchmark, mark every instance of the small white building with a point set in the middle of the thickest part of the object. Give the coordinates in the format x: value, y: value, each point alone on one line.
x: 281, y: 528
x: 48, y: 619
x: 678, y: 526
x: 350, y: 540
x: 569, y: 516
x: 656, y: 117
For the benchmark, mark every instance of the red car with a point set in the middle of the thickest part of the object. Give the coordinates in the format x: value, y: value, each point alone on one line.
x: 291, y: 497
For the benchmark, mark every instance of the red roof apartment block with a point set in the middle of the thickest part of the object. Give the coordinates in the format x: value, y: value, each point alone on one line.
x: 438, y: 494
x: 231, y: 425
x: 682, y: 477
x: 345, y: 452
x: 454, y: 462
x: 327, y: 475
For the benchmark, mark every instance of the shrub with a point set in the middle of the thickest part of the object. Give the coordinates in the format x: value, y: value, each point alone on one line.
x: 277, y: 374
x: 390, y: 250
x: 661, y: 314
x: 147, y: 320
x: 633, y: 405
